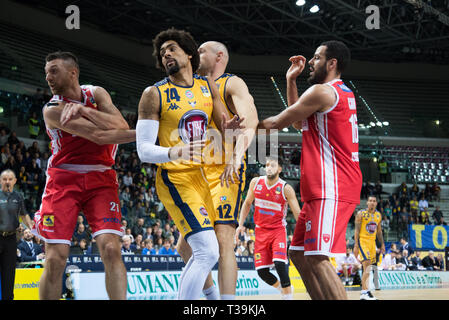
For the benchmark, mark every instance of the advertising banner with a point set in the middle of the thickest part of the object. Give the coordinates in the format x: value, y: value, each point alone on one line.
x: 26, y: 285
x: 428, y: 237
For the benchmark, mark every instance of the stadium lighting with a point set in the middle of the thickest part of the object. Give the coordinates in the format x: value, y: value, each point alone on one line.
x: 386, y: 123
x: 300, y: 3
x: 379, y: 124
x: 372, y: 124
x: 285, y: 129
x: 314, y: 9
x: 437, y: 122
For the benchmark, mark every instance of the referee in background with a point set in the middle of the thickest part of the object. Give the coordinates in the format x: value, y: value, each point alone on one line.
x: 11, y: 207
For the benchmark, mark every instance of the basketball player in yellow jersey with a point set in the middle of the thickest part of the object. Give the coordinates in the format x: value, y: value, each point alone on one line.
x: 176, y: 111
x: 367, y: 227
x: 226, y: 171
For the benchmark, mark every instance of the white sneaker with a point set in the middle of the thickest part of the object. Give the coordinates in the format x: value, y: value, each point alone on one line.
x: 367, y: 296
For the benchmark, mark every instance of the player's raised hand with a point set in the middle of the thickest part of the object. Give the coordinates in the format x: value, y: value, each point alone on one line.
x: 191, y: 151
x: 297, y: 66
x: 69, y: 112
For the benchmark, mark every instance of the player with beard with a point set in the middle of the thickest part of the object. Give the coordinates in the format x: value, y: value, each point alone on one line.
x: 176, y: 112
x: 225, y: 165
x: 272, y: 195
x: 331, y: 179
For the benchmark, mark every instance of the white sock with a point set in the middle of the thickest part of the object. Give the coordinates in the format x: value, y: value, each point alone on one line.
x: 211, y: 293
x: 228, y: 297
x: 205, y: 255
x: 364, y: 291
x: 288, y: 296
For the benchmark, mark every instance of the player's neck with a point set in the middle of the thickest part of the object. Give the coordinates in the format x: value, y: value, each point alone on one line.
x: 331, y: 77
x: 371, y: 210
x: 184, y: 77
x: 73, y: 93
x: 271, y: 182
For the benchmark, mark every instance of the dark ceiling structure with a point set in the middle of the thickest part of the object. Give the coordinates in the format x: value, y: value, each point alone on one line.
x: 409, y: 30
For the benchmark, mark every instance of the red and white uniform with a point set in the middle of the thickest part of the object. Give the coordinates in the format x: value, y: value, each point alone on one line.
x: 331, y: 179
x: 270, y: 210
x: 79, y: 179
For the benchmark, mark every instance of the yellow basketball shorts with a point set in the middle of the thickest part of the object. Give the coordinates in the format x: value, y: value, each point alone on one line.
x: 186, y: 196
x: 367, y: 249
x: 227, y: 201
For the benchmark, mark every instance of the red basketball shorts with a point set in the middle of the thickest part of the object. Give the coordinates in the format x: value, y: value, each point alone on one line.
x: 270, y: 246
x: 321, y: 227
x: 67, y: 193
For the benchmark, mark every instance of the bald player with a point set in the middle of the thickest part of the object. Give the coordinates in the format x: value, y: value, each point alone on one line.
x: 226, y: 171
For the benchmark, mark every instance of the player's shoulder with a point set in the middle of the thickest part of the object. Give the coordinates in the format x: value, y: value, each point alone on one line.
x: 159, y: 83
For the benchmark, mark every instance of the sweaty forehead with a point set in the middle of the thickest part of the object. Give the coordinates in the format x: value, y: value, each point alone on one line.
x: 321, y: 51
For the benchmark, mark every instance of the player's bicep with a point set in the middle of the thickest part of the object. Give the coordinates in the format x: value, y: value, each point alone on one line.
x: 242, y: 100
x: 150, y: 104
x: 291, y: 198
x: 250, y: 195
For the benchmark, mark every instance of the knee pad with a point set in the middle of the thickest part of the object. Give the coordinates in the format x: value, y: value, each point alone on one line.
x: 282, y: 271
x: 267, y: 276
x: 204, y: 246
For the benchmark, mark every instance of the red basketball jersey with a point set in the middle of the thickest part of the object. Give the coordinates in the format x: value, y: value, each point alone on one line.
x: 270, y: 207
x: 330, y: 151
x: 71, y: 149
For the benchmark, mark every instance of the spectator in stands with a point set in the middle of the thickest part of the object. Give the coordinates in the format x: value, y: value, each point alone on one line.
x: 423, y: 203
x: 148, y: 234
x: 416, y: 261
x: 425, y: 217
x: 138, y: 228
x: 427, y: 192
x: 148, y: 249
x: 383, y: 169
x: 79, y: 234
x: 12, y: 139
x: 83, y: 244
x: 405, y: 246
x: 388, y: 212
x: 440, y: 261
x: 414, y: 191
x: 138, y: 242
x: 436, y: 191
x: 393, y: 248
x: 389, y: 261
x: 249, y: 248
x: 437, y: 215
x: 3, y: 137
x: 166, y: 248
x: 28, y: 250
x: 385, y: 224
x: 414, y: 209
x: 127, y: 246
x: 378, y: 190
x: 167, y: 231
x: 128, y: 179
x: 158, y: 243
x: 404, y: 261
x: 429, y: 262
x: 403, y: 190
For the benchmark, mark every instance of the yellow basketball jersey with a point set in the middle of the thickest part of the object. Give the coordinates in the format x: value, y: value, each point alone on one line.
x: 185, y: 113
x: 369, y: 225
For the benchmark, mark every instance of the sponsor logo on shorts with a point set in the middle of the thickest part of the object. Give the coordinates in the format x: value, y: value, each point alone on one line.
x: 113, y: 220
x: 310, y: 240
x: 257, y: 256
x: 280, y: 253
x: 326, y: 237
x: 49, y: 221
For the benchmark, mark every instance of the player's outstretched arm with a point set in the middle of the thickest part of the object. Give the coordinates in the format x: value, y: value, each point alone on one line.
x: 85, y: 128
x: 147, y: 130
x: 319, y: 97
x: 293, y: 203
x: 106, y: 117
x: 246, y: 206
x: 297, y: 66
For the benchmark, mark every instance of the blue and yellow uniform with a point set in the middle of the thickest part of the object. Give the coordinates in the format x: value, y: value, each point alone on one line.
x: 367, y: 236
x: 226, y: 200
x: 185, y: 114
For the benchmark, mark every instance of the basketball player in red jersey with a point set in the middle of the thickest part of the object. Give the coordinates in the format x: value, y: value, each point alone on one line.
x: 271, y: 195
x: 85, y: 128
x: 331, y: 179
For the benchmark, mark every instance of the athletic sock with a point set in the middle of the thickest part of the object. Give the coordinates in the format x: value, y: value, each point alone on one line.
x: 211, y: 293
x: 228, y: 297
x: 288, y: 296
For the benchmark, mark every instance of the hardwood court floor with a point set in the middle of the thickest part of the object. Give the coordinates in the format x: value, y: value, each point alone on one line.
x: 403, y: 294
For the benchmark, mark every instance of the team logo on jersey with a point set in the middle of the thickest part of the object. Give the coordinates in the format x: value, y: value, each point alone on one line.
x: 371, y: 227
x: 206, y: 222
x: 259, y: 187
x: 223, y: 198
x: 49, y: 221
x: 203, y: 211
x: 192, y: 103
x: 205, y: 91
x: 189, y: 94
x: 173, y: 106
x: 278, y: 190
x: 326, y: 237
x: 193, y: 125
